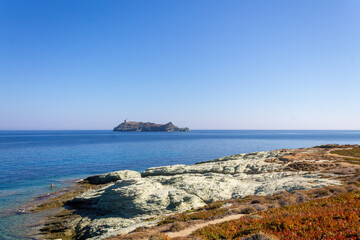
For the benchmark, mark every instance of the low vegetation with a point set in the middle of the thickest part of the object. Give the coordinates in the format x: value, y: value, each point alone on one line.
x: 331, y: 212
x: 352, y: 152
x: 203, y: 214
x: 353, y: 160
x: 335, y: 217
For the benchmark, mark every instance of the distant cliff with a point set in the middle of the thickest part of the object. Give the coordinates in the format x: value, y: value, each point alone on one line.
x: 127, y: 126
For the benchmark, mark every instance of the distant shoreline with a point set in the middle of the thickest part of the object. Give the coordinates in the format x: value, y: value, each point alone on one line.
x: 48, y: 130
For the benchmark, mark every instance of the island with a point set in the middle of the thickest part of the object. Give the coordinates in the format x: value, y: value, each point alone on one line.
x: 130, y: 126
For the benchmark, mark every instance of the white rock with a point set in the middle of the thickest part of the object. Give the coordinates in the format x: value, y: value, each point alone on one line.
x: 178, y: 188
x: 113, y: 177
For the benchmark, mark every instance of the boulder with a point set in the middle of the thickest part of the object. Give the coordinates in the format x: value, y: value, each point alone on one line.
x: 113, y: 177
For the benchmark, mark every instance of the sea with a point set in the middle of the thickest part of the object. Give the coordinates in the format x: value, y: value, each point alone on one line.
x: 31, y: 160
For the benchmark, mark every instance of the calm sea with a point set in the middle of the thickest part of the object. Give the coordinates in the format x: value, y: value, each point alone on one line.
x: 31, y: 160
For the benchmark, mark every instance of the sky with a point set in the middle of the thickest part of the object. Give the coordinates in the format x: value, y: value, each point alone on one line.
x: 202, y: 64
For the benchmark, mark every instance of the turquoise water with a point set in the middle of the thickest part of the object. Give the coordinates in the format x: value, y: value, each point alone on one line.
x: 31, y: 160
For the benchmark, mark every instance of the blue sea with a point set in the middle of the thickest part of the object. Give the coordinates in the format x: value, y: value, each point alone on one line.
x: 31, y: 160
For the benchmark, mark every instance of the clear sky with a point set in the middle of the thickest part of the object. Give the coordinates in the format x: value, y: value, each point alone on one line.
x: 200, y: 63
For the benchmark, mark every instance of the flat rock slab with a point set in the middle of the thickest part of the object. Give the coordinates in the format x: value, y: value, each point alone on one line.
x: 135, y: 197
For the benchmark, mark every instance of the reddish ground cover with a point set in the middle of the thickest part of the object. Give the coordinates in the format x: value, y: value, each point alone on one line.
x: 335, y: 217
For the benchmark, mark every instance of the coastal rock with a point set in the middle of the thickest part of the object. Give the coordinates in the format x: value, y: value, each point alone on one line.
x: 248, y: 163
x: 178, y: 188
x: 113, y: 177
x: 145, y: 196
x: 128, y: 126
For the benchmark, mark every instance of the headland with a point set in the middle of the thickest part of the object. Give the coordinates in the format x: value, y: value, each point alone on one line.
x: 180, y: 200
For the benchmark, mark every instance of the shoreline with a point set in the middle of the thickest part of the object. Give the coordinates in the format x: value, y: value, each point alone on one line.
x: 73, y: 207
x: 34, y: 203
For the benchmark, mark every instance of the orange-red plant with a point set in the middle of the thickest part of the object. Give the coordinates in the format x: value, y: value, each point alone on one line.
x: 330, y: 218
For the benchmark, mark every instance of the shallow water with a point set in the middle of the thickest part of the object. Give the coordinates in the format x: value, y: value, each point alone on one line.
x: 31, y: 160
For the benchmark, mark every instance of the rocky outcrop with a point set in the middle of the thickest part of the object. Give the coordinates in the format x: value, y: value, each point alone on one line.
x: 112, y: 177
x: 162, y: 190
x: 127, y: 126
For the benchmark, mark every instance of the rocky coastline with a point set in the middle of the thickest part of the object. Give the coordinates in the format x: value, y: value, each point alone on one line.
x: 120, y: 202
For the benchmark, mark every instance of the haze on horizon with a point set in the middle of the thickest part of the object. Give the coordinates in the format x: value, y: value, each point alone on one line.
x: 200, y: 64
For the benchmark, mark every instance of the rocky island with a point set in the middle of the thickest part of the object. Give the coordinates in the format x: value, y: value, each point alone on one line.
x: 280, y: 192
x: 129, y: 126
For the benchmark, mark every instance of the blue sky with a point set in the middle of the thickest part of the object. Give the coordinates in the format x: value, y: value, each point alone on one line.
x: 202, y: 64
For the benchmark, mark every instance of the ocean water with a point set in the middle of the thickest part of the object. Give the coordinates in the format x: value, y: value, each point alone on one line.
x: 31, y: 160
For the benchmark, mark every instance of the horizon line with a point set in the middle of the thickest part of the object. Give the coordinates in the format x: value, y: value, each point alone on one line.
x: 190, y: 130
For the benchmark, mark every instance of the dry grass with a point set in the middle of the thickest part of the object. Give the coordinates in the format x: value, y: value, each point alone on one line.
x: 352, y: 152
x: 248, y: 210
x: 160, y: 236
x: 202, y: 214
x: 353, y: 160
